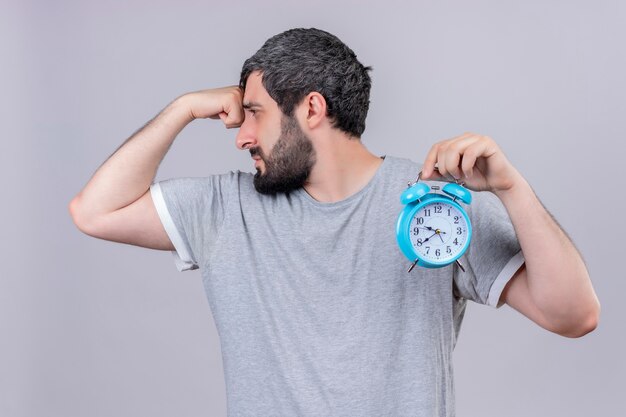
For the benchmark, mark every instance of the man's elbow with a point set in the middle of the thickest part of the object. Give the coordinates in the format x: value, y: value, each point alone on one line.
x: 585, y: 326
x: 78, y: 218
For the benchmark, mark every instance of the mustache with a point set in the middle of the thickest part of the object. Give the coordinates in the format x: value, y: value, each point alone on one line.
x: 256, y: 151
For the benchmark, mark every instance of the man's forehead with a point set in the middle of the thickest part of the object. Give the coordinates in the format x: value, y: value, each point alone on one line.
x: 255, y: 94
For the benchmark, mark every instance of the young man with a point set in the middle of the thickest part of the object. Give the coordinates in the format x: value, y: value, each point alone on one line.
x: 316, y: 312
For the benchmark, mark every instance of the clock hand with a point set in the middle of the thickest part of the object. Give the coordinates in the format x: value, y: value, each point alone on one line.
x: 437, y: 231
x: 434, y: 230
x: 428, y: 238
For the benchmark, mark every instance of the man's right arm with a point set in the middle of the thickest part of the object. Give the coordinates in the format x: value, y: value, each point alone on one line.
x: 116, y: 203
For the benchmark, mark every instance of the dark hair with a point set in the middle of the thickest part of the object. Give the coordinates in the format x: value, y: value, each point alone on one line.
x: 298, y: 61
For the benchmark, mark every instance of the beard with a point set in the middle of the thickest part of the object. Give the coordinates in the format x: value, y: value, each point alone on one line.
x: 289, y: 163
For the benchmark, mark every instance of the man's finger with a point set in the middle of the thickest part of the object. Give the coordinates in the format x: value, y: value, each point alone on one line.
x: 455, y: 155
x: 230, y: 120
x: 432, y: 156
x: 430, y: 161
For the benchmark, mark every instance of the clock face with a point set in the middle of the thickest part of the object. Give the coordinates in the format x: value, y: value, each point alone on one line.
x: 438, y: 232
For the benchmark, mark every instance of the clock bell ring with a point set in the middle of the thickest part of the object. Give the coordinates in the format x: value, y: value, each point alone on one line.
x: 433, y: 230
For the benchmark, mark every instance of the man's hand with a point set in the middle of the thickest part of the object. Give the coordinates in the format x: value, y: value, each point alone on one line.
x: 224, y: 103
x: 474, y: 159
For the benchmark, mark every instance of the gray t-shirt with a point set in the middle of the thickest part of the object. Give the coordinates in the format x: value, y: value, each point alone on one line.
x: 316, y: 313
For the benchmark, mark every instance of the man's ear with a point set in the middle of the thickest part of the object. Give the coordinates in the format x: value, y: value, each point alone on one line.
x: 314, y: 109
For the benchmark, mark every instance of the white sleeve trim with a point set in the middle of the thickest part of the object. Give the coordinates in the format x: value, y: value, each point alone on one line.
x: 503, y: 278
x: 182, y: 254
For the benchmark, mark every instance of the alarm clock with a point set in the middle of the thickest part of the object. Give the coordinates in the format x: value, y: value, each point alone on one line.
x: 433, y: 230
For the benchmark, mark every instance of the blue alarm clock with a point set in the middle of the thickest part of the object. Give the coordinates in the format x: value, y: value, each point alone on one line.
x: 433, y: 230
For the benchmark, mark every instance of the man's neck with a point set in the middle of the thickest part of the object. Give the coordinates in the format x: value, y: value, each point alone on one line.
x: 343, y: 167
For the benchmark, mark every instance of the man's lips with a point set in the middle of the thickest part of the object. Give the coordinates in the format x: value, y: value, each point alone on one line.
x: 256, y: 157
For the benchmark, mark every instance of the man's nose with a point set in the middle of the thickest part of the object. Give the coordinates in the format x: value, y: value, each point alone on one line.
x: 246, y: 137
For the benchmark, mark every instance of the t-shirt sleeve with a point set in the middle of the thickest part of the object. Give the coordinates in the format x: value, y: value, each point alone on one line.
x: 192, y: 211
x: 494, y: 253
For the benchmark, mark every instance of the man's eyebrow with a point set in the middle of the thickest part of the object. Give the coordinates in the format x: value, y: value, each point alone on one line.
x: 251, y: 104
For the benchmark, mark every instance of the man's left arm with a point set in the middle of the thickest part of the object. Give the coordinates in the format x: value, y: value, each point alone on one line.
x: 553, y: 287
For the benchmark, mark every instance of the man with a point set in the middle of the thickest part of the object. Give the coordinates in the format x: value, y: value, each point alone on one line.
x: 316, y: 313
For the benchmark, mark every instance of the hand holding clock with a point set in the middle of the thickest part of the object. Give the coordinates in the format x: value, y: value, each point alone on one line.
x: 553, y: 287
x: 474, y: 159
x: 480, y: 164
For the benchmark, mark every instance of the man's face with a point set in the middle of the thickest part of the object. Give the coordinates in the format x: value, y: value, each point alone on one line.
x: 283, y: 153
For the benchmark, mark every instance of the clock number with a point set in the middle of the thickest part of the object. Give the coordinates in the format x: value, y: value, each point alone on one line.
x: 456, y: 241
x: 416, y: 231
x: 420, y: 220
x: 438, y: 209
x: 456, y: 219
x: 427, y: 249
x: 427, y: 212
x: 437, y: 252
x: 448, y: 211
x: 448, y: 249
x: 459, y: 230
x: 419, y: 242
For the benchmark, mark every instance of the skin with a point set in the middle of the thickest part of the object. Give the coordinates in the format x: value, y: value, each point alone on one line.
x: 553, y: 288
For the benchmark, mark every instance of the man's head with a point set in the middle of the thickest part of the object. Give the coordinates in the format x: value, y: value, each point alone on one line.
x: 298, y: 61
x: 290, y: 67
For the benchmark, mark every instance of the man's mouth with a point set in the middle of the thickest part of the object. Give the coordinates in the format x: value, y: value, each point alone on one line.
x: 257, y: 161
x: 256, y: 157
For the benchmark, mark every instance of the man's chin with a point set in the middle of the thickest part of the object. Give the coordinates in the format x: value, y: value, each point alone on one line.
x: 260, y: 184
x: 265, y: 185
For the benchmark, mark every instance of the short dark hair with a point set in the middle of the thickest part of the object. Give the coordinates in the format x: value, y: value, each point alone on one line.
x: 298, y: 61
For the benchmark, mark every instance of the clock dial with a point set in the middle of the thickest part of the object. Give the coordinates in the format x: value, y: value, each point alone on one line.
x: 438, y: 232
